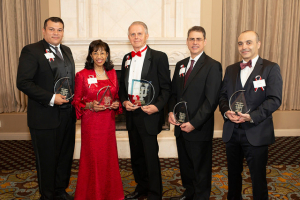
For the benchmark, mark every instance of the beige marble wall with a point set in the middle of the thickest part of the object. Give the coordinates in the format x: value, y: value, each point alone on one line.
x: 168, y: 22
x: 89, y: 19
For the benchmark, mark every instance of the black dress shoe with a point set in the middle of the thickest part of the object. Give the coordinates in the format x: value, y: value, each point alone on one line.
x: 182, y: 197
x: 65, y: 196
x: 135, y: 195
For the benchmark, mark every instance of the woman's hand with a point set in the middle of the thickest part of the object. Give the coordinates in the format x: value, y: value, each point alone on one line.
x: 115, y: 105
x: 96, y: 107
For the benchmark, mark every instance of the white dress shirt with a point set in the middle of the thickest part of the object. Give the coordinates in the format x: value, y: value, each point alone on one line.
x: 195, y: 60
x: 136, y: 67
x: 245, y: 73
x: 52, y: 47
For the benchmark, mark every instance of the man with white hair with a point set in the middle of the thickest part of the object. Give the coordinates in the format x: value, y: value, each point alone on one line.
x: 145, y: 123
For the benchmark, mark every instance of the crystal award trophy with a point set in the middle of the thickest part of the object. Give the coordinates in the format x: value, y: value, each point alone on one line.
x: 142, y: 92
x: 180, y: 112
x: 104, y: 97
x: 62, y: 86
x: 237, y: 102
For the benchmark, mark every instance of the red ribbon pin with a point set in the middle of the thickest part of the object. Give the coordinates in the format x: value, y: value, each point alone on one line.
x: 258, y: 77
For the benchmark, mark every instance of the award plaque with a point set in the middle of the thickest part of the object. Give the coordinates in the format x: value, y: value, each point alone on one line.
x: 180, y: 112
x: 237, y: 102
x: 62, y: 86
x: 104, y: 97
x: 142, y: 92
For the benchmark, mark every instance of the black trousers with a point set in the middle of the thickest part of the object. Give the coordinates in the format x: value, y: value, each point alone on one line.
x: 53, y: 149
x: 237, y: 148
x: 195, y: 161
x: 144, y: 158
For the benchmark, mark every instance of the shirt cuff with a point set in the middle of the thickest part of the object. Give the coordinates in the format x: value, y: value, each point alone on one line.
x: 225, y: 115
x: 51, y: 103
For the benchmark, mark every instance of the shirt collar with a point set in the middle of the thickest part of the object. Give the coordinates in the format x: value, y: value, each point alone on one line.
x: 196, y: 58
x: 54, y: 46
x: 141, y: 49
x: 253, y: 61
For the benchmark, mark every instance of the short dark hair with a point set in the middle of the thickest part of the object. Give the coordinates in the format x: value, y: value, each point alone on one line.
x: 95, y: 46
x: 53, y: 19
x: 198, y: 29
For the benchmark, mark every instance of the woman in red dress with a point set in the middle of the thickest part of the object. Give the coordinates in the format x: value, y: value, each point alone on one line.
x: 99, y: 176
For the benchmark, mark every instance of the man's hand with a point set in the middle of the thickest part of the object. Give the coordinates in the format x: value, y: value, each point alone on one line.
x: 172, y: 119
x: 237, y: 118
x: 60, y: 99
x: 129, y: 106
x: 244, y: 117
x: 150, y: 109
x: 187, y: 127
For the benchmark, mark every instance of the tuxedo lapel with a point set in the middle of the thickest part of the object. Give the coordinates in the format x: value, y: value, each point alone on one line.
x: 147, y: 64
x: 256, y: 71
x: 181, y: 78
x: 198, y: 65
x: 127, y: 70
x: 53, y: 65
x: 235, y: 73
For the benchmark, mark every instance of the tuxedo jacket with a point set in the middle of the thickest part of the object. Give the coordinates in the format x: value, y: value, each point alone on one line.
x: 36, y: 78
x: 201, y: 92
x: 156, y: 70
x: 261, y: 103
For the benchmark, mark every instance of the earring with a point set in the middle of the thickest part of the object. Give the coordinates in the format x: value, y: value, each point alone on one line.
x: 106, y: 59
x: 92, y: 60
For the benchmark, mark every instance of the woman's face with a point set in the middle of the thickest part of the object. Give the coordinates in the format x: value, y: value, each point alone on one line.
x: 99, y: 57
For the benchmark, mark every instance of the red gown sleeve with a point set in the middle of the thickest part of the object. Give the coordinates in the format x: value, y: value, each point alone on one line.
x: 116, y: 97
x: 79, y: 101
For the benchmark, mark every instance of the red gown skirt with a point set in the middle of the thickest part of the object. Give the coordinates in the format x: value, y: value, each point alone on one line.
x: 99, y: 176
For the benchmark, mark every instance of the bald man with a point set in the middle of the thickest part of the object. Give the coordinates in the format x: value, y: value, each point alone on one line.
x: 248, y: 135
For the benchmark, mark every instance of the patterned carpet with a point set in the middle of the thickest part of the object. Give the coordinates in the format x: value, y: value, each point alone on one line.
x: 18, y: 178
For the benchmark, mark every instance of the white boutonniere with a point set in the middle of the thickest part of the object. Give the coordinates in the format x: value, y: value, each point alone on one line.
x: 128, y: 61
x: 49, y: 55
x: 259, y: 83
x: 182, y: 71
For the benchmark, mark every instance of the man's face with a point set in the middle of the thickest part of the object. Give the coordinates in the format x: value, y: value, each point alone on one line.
x: 248, y: 45
x: 54, y: 32
x: 195, y: 43
x: 137, y: 36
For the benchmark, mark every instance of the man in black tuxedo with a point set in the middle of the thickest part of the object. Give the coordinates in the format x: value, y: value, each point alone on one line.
x: 197, y: 81
x: 248, y: 135
x: 51, y: 118
x: 145, y: 123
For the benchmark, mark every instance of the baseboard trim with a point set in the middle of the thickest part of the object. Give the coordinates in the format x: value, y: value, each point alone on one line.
x: 166, y: 141
x: 122, y: 135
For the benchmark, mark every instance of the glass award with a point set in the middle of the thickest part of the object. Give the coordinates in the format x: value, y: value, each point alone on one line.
x: 237, y: 102
x: 104, y: 97
x: 180, y: 112
x: 62, y: 86
x: 142, y: 92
